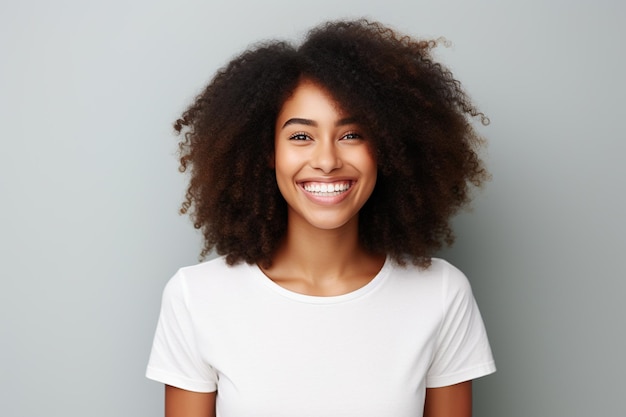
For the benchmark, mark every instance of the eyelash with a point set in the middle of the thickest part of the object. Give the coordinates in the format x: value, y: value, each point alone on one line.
x: 301, y: 136
x: 353, y: 135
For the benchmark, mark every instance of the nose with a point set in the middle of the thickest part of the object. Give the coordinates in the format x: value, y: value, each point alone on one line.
x: 326, y: 156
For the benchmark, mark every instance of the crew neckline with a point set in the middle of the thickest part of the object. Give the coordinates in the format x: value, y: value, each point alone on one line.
x: 375, y: 282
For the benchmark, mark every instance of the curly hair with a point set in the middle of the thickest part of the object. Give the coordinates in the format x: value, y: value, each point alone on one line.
x: 415, y: 111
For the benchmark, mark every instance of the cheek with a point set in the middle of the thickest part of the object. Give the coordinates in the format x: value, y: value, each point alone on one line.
x: 284, y: 168
x: 366, y: 162
x: 280, y: 162
x: 288, y: 159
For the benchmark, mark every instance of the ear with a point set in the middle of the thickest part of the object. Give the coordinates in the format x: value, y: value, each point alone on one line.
x: 271, y: 161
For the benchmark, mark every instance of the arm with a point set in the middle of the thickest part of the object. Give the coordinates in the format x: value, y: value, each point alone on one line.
x: 450, y: 401
x: 182, y: 403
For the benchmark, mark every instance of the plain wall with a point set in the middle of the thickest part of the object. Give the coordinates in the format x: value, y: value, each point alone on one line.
x: 89, y: 230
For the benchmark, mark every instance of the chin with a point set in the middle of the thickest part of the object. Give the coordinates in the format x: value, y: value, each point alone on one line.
x: 330, y: 222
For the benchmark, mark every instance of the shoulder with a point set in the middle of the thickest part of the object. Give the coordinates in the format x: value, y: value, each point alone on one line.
x: 430, y: 288
x: 212, y: 271
x: 453, y: 278
x: 214, y: 277
x: 440, y: 271
x: 442, y: 282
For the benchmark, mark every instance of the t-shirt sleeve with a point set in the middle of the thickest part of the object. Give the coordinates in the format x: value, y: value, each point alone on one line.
x: 175, y: 358
x: 462, y: 349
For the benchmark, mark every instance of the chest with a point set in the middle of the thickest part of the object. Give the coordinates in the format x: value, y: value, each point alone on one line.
x: 285, y: 359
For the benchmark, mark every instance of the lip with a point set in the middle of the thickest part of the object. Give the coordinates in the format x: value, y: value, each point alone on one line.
x: 327, y: 199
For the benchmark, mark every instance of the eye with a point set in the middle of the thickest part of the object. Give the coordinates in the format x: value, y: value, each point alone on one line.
x: 352, y: 136
x: 300, y: 136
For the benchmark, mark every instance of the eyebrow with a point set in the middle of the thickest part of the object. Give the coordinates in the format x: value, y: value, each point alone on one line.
x: 309, y: 122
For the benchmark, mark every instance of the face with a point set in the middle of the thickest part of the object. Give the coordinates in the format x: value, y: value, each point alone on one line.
x: 324, y: 163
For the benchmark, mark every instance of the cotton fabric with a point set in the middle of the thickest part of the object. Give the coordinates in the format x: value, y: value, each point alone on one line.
x: 270, y: 352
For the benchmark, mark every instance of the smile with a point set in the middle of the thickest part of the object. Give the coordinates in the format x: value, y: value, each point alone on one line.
x: 327, y: 189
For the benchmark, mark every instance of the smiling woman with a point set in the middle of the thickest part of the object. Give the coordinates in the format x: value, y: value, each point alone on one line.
x: 325, y: 168
x: 325, y: 176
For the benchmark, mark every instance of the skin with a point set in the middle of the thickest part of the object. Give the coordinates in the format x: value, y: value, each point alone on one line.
x: 317, y: 143
x: 183, y: 403
x: 450, y: 401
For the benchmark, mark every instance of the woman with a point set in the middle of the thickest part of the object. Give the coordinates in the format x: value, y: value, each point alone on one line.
x: 325, y: 176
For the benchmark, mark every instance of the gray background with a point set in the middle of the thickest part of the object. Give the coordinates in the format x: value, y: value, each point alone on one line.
x: 89, y: 231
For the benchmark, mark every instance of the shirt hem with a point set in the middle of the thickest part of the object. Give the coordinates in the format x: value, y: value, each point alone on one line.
x: 180, y: 382
x: 473, y: 373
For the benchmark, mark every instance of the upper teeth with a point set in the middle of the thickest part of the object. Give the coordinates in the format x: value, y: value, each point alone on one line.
x: 326, y: 187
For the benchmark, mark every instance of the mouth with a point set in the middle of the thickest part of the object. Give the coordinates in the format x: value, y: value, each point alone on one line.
x: 327, y: 189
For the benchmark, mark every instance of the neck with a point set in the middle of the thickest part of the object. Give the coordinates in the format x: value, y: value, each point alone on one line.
x: 324, y: 251
x: 323, y: 262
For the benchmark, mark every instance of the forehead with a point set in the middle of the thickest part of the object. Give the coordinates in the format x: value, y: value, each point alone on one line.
x: 312, y: 101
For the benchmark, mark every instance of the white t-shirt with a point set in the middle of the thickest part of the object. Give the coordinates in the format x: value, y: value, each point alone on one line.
x: 271, y: 352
